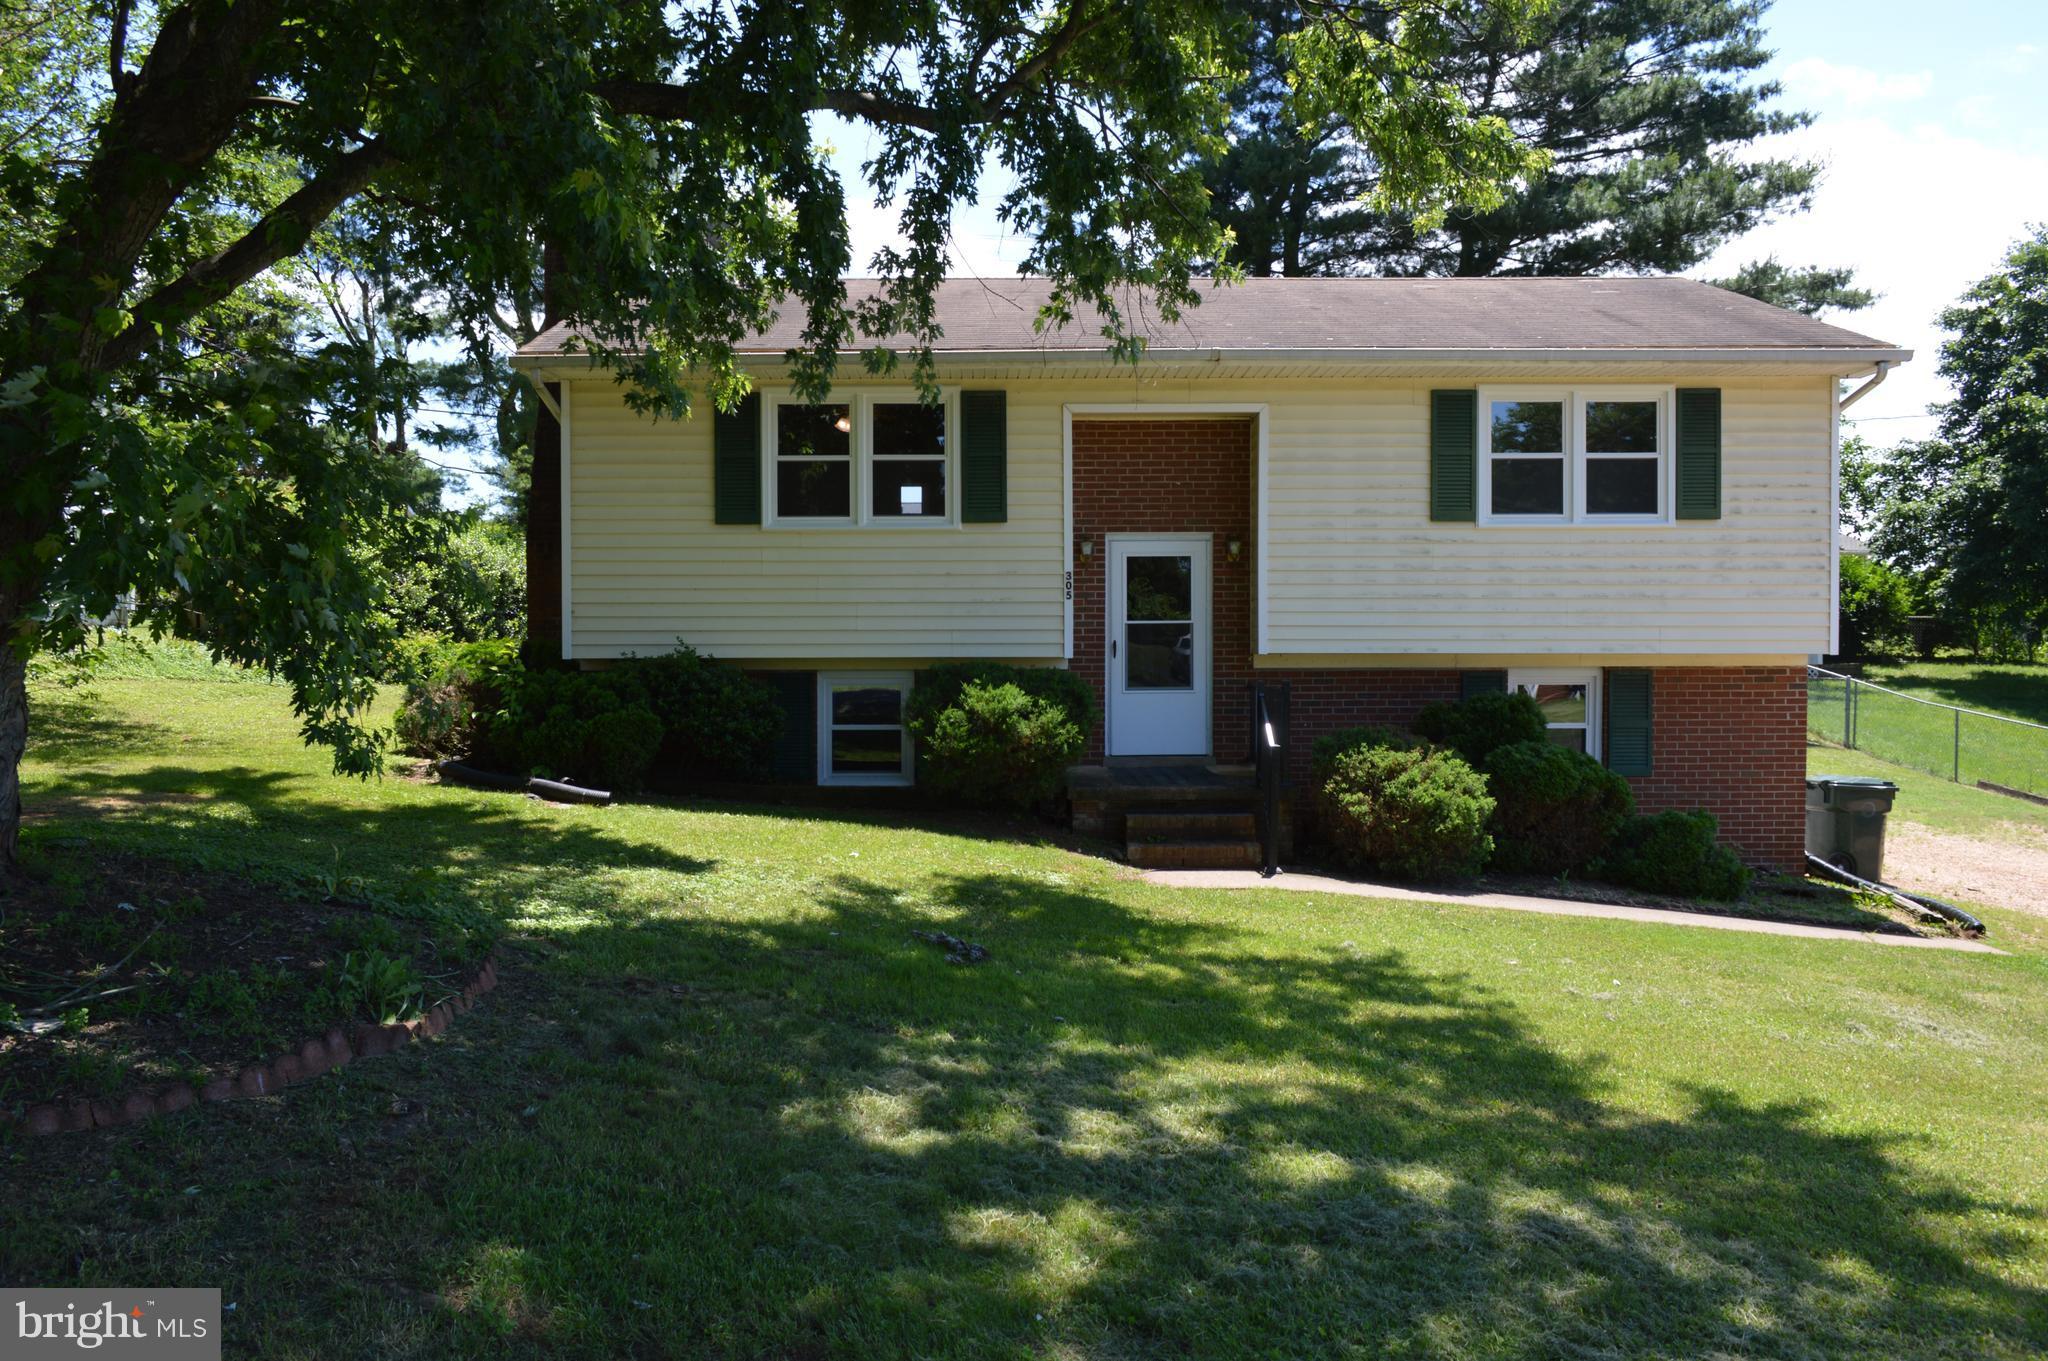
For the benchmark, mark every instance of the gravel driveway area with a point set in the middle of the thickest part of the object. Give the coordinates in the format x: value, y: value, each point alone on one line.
x: 2011, y: 871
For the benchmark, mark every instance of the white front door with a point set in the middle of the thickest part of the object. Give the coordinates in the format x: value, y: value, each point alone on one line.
x: 1158, y: 641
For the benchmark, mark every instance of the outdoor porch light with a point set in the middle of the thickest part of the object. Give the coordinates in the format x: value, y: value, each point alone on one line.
x: 1235, y: 549
x: 1087, y: 548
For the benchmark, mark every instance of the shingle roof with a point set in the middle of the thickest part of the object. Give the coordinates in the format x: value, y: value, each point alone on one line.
x: 1368, y: 315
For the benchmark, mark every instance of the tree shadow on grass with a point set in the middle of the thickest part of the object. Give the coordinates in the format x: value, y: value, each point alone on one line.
x: 243, y: 817
x: 1130, y: 1134
x: 69, y: 725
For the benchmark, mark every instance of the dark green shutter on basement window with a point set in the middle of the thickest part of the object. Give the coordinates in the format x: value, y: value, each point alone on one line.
x: 1454, y: 454
x: 984, y: 457
x: 736, y: 463
x: 1699, y: 453
x: 1628, y: 722
x: 1472, y: 683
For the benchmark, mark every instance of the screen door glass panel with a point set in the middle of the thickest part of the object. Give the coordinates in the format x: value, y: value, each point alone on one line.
x: 1159, y: 632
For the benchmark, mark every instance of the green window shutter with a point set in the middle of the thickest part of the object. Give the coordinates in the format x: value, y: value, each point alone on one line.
x: 1699, y: 453
x: 1472, y: 683
x: 736, y: 463
x: 1628, y: 722
x: 1454, y: 454
x: 984, y: 457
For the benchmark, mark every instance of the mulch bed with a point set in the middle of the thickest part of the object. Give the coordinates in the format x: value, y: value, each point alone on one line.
x: 140, y: 974
x: 1772, y: 897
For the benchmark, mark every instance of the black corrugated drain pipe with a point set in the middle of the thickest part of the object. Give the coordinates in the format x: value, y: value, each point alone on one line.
x: 1918, y: 902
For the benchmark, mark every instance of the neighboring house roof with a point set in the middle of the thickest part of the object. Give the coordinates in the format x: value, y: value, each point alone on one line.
x: 1395, y: 318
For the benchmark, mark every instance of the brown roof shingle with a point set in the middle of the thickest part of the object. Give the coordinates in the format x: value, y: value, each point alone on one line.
x: 1368, y: 315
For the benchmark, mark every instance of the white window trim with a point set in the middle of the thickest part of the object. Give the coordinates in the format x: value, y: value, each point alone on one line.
x: 860, y: 403
x: 898, y: 680
x: 1575, y: 455
x: 1590, y: 679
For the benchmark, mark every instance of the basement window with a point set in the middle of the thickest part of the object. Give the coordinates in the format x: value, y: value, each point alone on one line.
x: 861, y: 737
x: 1570, y: 701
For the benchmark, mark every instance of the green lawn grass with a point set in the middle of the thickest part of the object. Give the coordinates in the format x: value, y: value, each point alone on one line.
x: 1890, y: 724
x: 724, y: 1104
x: 2013, y: 690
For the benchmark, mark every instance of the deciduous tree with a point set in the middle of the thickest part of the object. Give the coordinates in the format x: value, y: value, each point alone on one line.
x: 162, y: 426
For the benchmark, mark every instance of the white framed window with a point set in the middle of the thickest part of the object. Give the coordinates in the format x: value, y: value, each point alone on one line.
x: 866, y: 458
x: 1570, y: 701
x: 861, y: 737
x: 1575, y: 455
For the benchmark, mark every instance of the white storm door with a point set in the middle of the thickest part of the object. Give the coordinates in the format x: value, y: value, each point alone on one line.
x: 1158, y: 643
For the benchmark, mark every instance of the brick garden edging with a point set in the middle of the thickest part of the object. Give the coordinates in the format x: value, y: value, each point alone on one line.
x: 320, y: 1054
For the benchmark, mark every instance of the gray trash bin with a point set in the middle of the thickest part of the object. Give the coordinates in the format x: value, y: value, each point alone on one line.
x: 1845, y: 821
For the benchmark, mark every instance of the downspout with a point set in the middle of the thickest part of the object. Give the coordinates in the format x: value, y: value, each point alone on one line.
x: 547, y: 399
x: 1884, y: 366
x: 1841, y: 404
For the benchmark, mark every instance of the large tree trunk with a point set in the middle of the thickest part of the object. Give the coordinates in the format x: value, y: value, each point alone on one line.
x: 13, y: 742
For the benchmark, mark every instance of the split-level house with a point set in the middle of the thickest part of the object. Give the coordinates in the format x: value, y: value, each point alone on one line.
x: 1615, y: 494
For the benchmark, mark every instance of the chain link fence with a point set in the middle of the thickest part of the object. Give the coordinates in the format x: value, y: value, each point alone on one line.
x: 1964, y: 745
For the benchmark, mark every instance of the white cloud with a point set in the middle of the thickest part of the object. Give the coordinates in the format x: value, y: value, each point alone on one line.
x: 1921, y: 212
x: 1818, y: 79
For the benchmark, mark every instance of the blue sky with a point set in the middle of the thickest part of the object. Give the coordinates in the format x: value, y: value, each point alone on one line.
x: 1931, y: 120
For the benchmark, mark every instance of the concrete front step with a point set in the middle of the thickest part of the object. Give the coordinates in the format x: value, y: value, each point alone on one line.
x: 1190, y: 823
x: 1196, y: 853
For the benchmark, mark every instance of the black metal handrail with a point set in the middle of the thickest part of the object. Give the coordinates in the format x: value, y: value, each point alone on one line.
x: 1269, y: 713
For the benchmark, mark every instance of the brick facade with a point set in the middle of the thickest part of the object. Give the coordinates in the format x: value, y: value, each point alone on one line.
x: 1729, y: 739
x: 1732, y: 739
x: 1169, y: 477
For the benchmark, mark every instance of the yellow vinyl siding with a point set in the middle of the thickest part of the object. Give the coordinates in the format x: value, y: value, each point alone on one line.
x: 648, y: 566
x: 1353, y: 565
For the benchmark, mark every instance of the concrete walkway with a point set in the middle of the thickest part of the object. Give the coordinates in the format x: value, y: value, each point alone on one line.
x: 1557, y: 907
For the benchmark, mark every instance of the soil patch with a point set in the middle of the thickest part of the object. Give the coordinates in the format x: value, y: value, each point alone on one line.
x: 2011, y: 872
x: 119, y: 972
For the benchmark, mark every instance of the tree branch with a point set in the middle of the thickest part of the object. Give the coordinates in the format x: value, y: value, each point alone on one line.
x: 117, y: 49
x: 281, y: 232
x: 685, y: 104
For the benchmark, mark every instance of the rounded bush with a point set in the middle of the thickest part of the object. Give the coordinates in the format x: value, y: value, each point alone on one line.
x: 1677, y: 853
x: 1476, y: 728
x: 996, y: 745
x: 619, y: 747
x: 1555, y: 809
x: 1413, y: 811
x: 716, y: 720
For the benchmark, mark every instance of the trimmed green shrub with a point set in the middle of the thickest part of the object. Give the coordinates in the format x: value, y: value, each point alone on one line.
x: 681, y: 710
x: 1677, y: 853
x: 1555, y: 809
x: 619, y: 747
x: 716, y: 721
x: 1329, y: 746
x: 1414, y: 811
x: 938, y: 687
x: 1476, y: 728
x: 997, y: 745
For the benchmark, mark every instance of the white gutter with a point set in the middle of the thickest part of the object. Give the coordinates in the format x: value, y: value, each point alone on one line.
x: 1883, y: 367
x: 1852, y: 358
